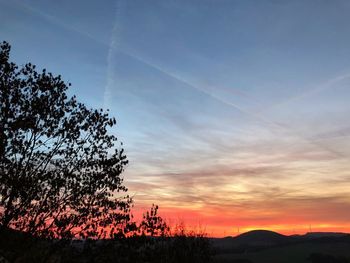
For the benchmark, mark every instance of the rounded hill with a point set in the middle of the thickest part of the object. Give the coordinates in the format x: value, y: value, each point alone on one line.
x: 261, y: 237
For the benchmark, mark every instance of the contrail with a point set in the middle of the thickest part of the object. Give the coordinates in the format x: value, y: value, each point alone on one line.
x: 328, y: 85
x: 54, y: 20
x: 184, y: 81
x: 113, y: 47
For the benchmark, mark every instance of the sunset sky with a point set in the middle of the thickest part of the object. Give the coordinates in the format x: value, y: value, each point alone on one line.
x: 233, y: 114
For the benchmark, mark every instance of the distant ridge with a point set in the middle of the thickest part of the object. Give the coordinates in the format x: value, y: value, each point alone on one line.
x: 267, y: 238
x: 324, y: 234
x: 260, y: 233
x: 261, y: 237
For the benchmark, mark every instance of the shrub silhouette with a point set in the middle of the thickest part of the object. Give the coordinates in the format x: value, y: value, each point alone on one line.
x: 185, y: 247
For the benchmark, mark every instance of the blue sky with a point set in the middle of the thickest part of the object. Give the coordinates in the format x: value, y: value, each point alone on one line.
x: 239, y: 106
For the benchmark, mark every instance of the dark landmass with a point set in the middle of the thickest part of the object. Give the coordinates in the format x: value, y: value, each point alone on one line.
x: 18, y: 247
x: 262, y: 246
x: 266, y: 238
x: 258, y: 246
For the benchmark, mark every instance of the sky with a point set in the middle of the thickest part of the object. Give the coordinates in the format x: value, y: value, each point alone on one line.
x: 234, y: 114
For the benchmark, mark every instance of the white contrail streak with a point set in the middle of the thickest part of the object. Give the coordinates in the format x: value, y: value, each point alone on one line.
x: 54, y: 20
x: 113, y: 47
x: 313, y: 91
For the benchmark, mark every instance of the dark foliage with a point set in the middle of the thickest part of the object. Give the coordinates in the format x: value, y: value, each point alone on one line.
x: 241, y: 261
x: 60, y: 171
x: 325, y: 258
x: 192, y: 248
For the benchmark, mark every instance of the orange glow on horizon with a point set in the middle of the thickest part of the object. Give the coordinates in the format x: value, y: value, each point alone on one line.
x: 221, y: 226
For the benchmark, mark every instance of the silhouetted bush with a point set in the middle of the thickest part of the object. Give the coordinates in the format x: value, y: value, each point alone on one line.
x: 170, y: 247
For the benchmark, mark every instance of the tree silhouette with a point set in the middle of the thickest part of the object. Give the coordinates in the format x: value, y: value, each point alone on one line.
x: 60, y: 169
x: 152, y: 224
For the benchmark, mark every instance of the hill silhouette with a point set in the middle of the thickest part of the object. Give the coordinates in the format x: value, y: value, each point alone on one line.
x: 261, y: 237
x: 252, y: 240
